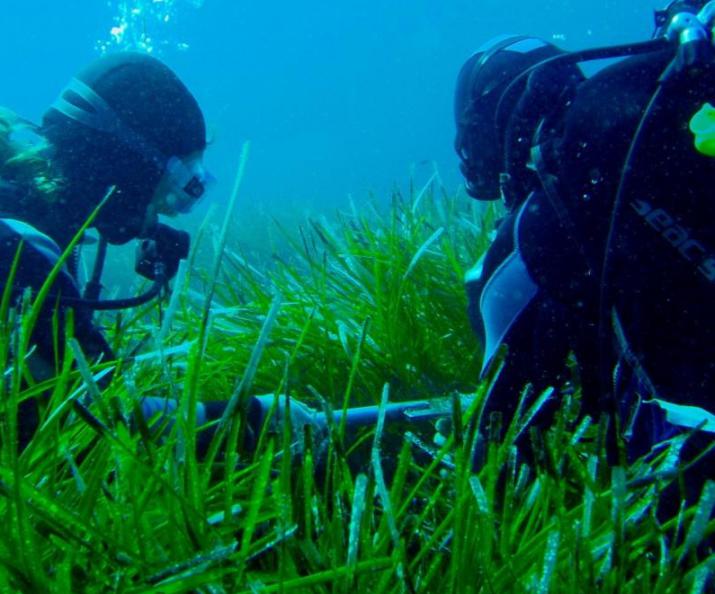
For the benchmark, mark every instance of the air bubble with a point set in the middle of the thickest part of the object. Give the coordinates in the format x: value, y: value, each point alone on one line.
x: 146, y: 25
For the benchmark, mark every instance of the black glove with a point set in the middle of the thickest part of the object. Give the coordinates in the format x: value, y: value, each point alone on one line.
x: 166, y: 246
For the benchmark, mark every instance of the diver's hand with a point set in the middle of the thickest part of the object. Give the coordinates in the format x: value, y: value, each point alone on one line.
x: 301, y: 415
x: 166, y: 246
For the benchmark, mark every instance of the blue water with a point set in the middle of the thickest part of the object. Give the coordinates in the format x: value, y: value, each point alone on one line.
x: 337, y: 98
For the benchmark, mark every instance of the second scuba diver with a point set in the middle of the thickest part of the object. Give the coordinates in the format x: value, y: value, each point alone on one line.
x: 607, y: 248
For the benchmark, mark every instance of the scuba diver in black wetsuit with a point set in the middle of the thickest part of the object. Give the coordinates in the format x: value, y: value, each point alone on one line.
x: 126, y: 127
x: 607, y: 249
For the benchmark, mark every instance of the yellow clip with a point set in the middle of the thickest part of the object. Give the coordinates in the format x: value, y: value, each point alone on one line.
x: 702, y: 125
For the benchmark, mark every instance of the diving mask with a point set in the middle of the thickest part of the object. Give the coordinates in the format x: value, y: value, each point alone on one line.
x: 187, y: 181
x: 187, y: 178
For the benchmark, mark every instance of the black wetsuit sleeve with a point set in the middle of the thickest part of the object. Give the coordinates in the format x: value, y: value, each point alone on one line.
x: 538, y: 340
x: 214, y: 410
x: 38, y: 255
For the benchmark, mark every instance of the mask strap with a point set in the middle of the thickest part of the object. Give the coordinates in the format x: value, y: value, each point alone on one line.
x: 98, y: 115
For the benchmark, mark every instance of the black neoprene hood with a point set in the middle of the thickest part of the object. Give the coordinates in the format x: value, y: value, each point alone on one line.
x: 483, y: 87
x: 149, y: 99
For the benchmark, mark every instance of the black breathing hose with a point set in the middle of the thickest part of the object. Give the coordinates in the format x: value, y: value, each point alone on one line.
x: 94, y: 286
x: 90, y: 298
x: 109, y: 304
x: 588, y: 55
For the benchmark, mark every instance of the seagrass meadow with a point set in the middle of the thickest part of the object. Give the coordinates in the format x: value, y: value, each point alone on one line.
x: 362, y: 309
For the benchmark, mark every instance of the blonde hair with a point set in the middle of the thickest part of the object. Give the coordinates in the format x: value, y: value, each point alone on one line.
x: 25, y: 158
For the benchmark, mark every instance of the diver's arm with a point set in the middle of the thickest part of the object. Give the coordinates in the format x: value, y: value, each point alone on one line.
x: 38, y: 254
x: 161, y: 412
